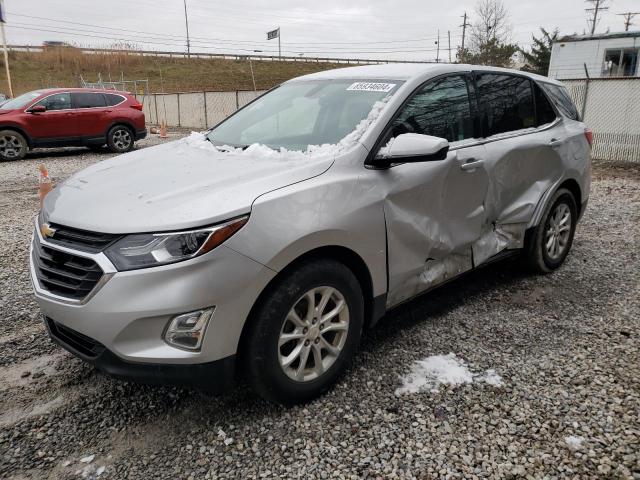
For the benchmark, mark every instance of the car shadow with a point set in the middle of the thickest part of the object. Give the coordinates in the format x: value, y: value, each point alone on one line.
x: 445, y: 298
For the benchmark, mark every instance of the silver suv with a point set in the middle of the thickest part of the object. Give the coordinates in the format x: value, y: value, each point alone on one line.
x: 266, y: 245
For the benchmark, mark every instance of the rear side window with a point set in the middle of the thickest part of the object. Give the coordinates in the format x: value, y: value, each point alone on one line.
x: 113, y: 99
x: 506, y: 103
x: 544, y: 111
x: 562, y: 100
x: 59, y: 101
x: 441, y: 108
x: 87, y: 100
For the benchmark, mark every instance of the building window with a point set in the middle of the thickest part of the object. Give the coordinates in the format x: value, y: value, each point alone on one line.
x: 621, y: 62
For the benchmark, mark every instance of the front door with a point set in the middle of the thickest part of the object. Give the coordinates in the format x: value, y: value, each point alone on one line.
x: 57, y: 123
x: 434, y: 211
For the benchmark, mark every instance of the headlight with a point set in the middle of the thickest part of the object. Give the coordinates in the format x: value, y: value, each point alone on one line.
x: 152, y: 249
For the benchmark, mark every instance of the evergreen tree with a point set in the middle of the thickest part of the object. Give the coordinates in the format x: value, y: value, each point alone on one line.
x: 537, y: 60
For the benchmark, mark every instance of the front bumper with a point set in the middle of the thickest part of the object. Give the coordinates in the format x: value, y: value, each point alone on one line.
x: 127, y: 312
x: 216, y: 376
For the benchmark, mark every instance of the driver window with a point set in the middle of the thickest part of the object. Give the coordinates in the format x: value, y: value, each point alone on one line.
x: 59, y: 101
x: 441, y: 109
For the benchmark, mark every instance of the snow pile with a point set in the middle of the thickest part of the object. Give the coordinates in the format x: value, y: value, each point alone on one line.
x: 574, y: 443
x: 199, y: 140
x: 428, y: 374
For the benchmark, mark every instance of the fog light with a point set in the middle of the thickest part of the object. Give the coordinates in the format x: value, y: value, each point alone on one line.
x: 186, y: 331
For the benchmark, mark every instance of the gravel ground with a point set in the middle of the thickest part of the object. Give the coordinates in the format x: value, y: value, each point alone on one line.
x: 566, y: 346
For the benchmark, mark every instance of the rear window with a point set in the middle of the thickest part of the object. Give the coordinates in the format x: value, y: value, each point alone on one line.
x: 562, y: 100
x: 507, y: 103
x: 113, y: 99
x: 87, y: 100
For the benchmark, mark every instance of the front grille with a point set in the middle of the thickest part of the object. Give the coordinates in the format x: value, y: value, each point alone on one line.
x: 64, y: 274
x: 74, y: 340
x: 81, y: 239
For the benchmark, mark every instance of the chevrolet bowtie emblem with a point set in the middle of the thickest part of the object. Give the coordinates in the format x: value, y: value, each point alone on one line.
x: 47, y: 231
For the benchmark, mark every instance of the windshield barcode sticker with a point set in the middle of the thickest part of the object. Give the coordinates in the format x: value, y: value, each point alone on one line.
x: 371, y: 87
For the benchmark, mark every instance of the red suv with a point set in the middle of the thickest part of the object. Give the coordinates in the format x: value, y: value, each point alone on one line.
x: 63, y: 117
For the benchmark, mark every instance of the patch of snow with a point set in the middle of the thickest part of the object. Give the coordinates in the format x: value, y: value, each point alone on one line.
x: 87, y: 459
x: 100, y: 470
x: 491, y: 377
x: 199, y: 140
x: 428, y: 374
x: 573, y: 442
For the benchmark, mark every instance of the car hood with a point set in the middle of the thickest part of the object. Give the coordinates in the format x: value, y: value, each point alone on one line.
x: 174, y: 186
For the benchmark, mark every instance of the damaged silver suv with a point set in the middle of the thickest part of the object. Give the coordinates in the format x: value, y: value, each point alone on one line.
x: 262, y: 248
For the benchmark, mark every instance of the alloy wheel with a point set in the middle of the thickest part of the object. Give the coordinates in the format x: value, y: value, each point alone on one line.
x: 558, y: 231
x: 313, y: 334
x: 10, y: 146
x: 122, y: 139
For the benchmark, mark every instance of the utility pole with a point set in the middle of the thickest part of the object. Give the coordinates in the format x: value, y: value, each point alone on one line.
x: 186, y: 22
x: 598, y: 6
x: 279, y: 46
x: 4, y: 45
x: 449, y: 35
x: 438, y: 48
x: 464, y: 28
x: 627, y: 19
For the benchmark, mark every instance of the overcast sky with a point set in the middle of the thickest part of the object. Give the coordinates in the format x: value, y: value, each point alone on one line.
x: 394, y: 29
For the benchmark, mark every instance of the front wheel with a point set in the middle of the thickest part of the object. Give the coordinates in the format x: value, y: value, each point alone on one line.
x: 120, y: 139
x: 13, y: 146
x: 552, y: 239
x: 304, y: 333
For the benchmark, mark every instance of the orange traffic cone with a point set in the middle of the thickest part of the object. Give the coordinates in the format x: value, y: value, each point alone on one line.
x: 44, y: 183
x: 163, y: 129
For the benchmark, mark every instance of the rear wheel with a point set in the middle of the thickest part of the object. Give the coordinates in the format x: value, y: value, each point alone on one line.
x: 13, y: 146
x: 552, y: 239
x: 304, y: 333
x: 120, y: 139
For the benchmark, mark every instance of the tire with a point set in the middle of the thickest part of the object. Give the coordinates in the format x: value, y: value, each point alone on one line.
x: 13, y: 146
x: 120, y: 139
x: 264, y: 357
x: 560, y: 216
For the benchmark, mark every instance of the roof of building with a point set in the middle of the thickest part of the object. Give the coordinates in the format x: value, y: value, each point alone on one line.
x: 597, y: 36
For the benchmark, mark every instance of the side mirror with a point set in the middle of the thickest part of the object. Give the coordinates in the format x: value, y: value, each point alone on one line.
x: 410, y: 148
x: 37, y: 109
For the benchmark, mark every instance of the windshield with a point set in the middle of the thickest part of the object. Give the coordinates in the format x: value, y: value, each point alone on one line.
x: 21, y: 101
x: 298, y: 115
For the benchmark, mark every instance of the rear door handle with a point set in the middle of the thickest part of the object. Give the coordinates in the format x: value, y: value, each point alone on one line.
x: 471, y: 164
x: 555, y: 142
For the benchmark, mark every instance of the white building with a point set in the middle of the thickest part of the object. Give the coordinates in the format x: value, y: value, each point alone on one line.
x: 605, y: 55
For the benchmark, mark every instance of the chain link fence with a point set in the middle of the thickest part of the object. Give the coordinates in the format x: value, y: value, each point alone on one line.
x: 611, y: 108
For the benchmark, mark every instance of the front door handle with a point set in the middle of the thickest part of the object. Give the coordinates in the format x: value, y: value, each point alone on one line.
x: 471, y: 164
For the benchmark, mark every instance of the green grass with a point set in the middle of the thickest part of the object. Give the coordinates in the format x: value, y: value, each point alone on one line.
x: 62, y: 68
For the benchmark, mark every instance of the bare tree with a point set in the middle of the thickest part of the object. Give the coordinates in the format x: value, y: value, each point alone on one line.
x: 491, y: 24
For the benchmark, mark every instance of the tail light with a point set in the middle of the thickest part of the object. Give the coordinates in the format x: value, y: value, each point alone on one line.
x: 588, y: 133
x: 137, y: 106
